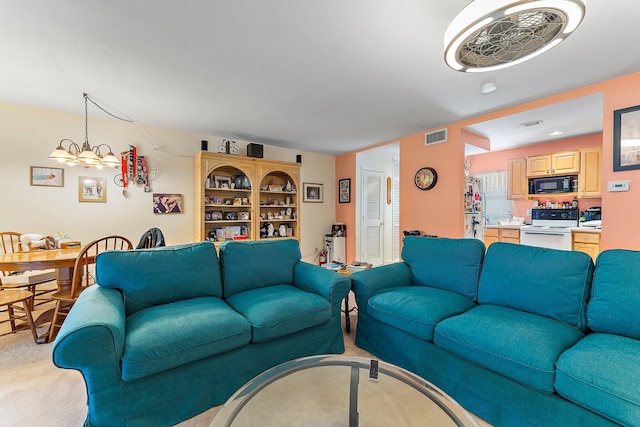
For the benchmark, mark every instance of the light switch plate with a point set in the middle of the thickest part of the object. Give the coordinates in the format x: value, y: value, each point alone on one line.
x: 619, y: 185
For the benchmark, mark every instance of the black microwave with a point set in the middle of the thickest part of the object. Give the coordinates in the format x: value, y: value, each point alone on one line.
x: 553, y: 184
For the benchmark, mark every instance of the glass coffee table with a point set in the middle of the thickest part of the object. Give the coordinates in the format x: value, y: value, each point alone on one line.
x: 337, y: 391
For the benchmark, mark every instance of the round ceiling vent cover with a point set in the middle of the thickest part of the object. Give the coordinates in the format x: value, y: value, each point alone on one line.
x: 487, y: 36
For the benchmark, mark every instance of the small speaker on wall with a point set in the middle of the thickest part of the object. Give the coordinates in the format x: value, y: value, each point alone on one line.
x: 298, y: 158
x: 204, y: 145
x: 254, y: 150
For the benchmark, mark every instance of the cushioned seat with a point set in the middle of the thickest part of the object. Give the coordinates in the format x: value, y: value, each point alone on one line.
x: 280, y: 310
x: 170, y: 335
x: 601, y: 372
x: 518, y: 345
x: 417, y: 309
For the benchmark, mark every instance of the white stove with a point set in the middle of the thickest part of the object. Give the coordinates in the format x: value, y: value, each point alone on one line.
x: 550, y: 228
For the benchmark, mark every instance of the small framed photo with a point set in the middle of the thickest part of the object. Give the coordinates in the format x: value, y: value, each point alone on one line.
x: 626, y: 139
x: 230, y: 216
x: 164, y: 203
x: 344, y: 190
x: 216, y: 215
x: 217, y: 200
x: 47, y: 177
x: 219, y: 234
x: 312, y: 192
x: 92, y: 189
x: 222, y: 181
x: 243, y: 216
x: 228, y: 201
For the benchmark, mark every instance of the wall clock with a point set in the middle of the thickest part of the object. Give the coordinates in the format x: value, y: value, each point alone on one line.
x: 426, y: 178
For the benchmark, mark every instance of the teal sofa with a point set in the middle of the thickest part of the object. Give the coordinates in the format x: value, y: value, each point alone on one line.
x: 170, y: 332
x: 519, y: 336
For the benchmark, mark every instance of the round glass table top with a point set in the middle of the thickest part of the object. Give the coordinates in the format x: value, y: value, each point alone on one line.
x: 334, y: 390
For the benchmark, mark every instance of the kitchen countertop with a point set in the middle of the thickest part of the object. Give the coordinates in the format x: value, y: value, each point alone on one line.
x: 518, y: 227
x: 513, y: 226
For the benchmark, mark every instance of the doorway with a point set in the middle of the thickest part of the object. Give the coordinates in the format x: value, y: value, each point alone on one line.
x: 378, y: 205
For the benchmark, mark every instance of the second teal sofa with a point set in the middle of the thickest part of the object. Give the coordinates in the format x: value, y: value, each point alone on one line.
x: 170, y: 332
x: 520, y: 336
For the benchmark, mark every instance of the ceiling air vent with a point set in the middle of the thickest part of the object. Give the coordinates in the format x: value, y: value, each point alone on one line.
x: 435, y: 137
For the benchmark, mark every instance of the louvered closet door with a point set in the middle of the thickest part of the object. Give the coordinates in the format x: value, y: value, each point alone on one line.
x: 373, y: 216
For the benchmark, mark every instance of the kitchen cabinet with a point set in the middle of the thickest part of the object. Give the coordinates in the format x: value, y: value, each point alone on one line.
x: 517, y: 187
x: 491, y: 235
x: 245, y: 198
x: 590, y: 177
x: 587, y: 242
x: 567, y: 162
x: 501, y: 234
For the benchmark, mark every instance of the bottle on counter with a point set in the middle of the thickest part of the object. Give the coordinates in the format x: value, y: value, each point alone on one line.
x: 574, y: 203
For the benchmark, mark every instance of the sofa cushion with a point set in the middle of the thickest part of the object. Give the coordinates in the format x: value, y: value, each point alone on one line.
x: 601, y: 373
x: 518, y: 345
x: 279, y: 310
x: 549, y: 282
x: 149, y: 277
x: 615, y: 297
x: 417, y: 309
x: 432, y: 261
x: 163, y: 337
x: 249, y: 265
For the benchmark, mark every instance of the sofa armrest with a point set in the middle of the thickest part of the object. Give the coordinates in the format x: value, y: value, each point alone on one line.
x: 367, y: 283
x: 312, y: 278
x: 92, y: 335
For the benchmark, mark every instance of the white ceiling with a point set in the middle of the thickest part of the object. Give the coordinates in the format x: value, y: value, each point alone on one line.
x: 328, y: 76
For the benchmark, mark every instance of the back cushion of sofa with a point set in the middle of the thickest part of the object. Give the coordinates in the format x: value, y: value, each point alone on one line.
x: 549, y: 282
x: 450, y: 264
x: 615, y: 297
x: 247, y: 265
x: 150, y: 277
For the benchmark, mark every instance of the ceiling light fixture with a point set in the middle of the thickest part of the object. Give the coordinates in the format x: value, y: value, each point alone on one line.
x: 488, y: 35
x: 86, y: 156
x: 531, y: 123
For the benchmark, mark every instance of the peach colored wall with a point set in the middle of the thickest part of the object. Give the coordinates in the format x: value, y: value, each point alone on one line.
x: 439, y: 211
x: 619, y: 210
x: 475, y: 140
x: 346, y: 212
x: 495, y: 161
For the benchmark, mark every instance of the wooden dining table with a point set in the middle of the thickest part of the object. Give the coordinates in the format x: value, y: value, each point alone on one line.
x: 62, y: 260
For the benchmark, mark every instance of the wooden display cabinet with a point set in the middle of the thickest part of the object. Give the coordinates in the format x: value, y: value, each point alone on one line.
x: 239, y: 197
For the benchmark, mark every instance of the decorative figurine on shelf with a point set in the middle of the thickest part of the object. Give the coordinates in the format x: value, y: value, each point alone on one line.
x: 263, y: 231
x: 270, y: 230
x: 282, y: 230
x: 237, y: 181
x: 246, y: 183
x: 288, y: 186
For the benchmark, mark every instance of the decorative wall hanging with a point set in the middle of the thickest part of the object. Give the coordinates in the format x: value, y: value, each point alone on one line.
x: 47, y: 177
x: 312, y: 192
x: 92, y: 189
x: 626, y: 139
x: 344, y: 190
x: 166, y: 203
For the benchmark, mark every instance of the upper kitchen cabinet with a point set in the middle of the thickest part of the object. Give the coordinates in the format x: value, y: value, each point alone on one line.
x: 563, y: 163
x: 517, y: 187
x: 590, y: 177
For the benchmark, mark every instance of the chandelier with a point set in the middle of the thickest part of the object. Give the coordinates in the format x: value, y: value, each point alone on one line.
x: 86, y: 155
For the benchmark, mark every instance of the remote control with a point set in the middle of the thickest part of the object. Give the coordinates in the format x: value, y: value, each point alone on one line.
x: 373, y: 370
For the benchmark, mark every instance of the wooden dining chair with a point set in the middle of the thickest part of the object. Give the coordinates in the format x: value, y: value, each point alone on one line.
x: 11, y: 242
x: 82, y: 277
x: 11, y: 298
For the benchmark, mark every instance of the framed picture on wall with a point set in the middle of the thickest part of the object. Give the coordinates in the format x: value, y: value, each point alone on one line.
x: 92, y: 189
x: 47, y: 177
x: 344, y: 190
x: 312, y: 192
x: 626, y: 139
x: 166, y: 203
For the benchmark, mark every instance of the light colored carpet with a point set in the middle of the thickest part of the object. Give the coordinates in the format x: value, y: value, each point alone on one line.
x: 33, y: 392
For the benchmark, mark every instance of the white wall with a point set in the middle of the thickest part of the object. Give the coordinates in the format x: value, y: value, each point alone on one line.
x: 28, y: 135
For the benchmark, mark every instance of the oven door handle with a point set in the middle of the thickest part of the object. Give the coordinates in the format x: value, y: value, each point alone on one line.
x: 544, y: 234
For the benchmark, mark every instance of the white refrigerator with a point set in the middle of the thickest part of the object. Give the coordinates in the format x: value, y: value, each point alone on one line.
x: 474, y: 217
